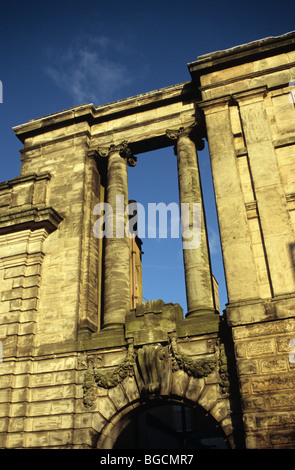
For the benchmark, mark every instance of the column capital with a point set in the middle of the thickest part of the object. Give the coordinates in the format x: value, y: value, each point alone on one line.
x: 174, y: 134
x: 191, y: 132
x: 122, y: 149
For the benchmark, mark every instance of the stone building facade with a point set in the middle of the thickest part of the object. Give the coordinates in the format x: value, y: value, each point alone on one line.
x: 82, y: 355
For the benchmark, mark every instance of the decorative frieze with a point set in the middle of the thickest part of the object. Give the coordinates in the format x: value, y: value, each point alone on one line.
x: 152, y: 366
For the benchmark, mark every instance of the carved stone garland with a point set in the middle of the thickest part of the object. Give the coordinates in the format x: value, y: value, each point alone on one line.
x: 145, y: 363
x: 94, y: 379
x: 195, y: 368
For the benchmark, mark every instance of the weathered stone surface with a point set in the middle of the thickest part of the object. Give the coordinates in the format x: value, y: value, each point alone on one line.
x: 209, y: 396
x: 52, y: 272
x: 118, y: 397
x: 179, y: 384
x: 106, y: 407
x: 252, y: 177
x: 194, y: 389
x: 131, y: 389
x: 273, y: 383
x: 247, y: 367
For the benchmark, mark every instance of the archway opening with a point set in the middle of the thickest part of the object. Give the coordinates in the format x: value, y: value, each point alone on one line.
x: 172, y: 426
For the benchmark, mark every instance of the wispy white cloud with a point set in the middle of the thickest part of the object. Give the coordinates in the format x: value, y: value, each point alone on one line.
x: 91, y: 71
x: 214, y: 243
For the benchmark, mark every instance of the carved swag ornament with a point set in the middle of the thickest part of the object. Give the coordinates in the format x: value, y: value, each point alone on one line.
x: 150, y: 365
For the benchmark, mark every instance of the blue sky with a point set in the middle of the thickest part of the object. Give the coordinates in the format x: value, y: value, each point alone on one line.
x: 59, y: 54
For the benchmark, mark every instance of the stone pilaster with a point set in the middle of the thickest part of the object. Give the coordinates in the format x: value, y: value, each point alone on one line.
x: 116, y: 249
x: 197, y: 268
x: 238, y: 257
x: 272, y: 205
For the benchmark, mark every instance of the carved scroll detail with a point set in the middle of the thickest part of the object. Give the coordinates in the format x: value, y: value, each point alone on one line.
x: 122, y: 149
x: 173, y: 134
x: 192, y: 132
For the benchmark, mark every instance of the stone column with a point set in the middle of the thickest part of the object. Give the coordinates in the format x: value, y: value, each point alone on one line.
x: 197, y: 268
x: 116, y: 292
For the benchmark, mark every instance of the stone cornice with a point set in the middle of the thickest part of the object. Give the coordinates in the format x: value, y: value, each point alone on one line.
x: 52, y: 142
x: 247, y: 76
x: 94, y: 115
x: 33, y: 218
x: 24, y: 179
x: 272, y: 309
x: 240, y: 54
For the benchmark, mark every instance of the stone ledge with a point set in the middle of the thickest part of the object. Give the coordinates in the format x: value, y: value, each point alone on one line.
x: 258, y: 310
x: 152, y: 321
x: 91, y: 115
x: 242, y: 53
x: 33, y: 218
x: 285, y: 141
x: 199, y: 325
x: 101, y: 340
x: 24, y: 179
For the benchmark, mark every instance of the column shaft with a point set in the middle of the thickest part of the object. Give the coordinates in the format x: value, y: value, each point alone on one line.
x: 197, y: 268
x: 116, y: 255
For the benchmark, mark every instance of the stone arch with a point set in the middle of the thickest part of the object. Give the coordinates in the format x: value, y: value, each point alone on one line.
x: 117, y: 424
x: 190, y: 370
x: 114, y: 408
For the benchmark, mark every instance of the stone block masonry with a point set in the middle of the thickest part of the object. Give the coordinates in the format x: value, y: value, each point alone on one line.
x: 245, y: 98
x: 78, y: 364
x: 267, y: 377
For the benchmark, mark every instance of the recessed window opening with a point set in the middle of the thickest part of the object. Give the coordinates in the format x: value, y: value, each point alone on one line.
x: 212, y: 225
x: 153, y: 183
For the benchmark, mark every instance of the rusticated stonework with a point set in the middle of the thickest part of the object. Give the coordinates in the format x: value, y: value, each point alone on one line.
x: 81, y: 355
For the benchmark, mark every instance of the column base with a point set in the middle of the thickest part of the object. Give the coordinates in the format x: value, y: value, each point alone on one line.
x: 113, y: 326
x: 200, y: 322
x: 200, y: 312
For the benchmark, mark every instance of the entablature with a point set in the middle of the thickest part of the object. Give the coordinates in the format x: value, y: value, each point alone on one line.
x: 141, y: 120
